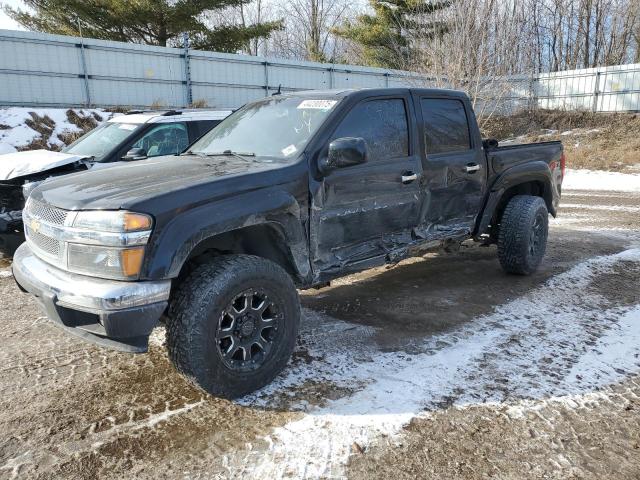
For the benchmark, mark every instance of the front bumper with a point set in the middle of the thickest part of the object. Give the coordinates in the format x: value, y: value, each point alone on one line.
x: 111, y: 313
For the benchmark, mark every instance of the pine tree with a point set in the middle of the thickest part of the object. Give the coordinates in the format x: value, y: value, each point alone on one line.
x: 387, y: 37
x: 153, y: 22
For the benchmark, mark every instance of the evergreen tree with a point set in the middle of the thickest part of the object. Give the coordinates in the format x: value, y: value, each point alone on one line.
x: 389, y: 35
x: 153, y: 22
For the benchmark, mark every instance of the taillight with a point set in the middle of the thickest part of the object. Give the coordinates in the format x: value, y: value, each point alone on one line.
x: 563, y: 163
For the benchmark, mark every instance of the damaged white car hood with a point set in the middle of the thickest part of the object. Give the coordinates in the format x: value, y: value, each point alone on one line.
x: 19, y: 164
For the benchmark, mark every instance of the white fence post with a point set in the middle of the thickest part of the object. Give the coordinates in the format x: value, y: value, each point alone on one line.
x: 85, y: 74
x: 187, y: 70
x: 596, y: 91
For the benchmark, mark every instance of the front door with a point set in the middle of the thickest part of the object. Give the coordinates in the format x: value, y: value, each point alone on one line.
x: 367, y: 211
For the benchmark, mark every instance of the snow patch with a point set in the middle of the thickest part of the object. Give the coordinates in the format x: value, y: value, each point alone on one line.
x: 15, y: 134
x: 609, y: 208
x: 600, y: 180
x: 554, y: 341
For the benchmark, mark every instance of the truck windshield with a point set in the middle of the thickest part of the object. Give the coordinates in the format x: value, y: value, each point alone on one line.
x: 100, y: 141
x: 276, y: 127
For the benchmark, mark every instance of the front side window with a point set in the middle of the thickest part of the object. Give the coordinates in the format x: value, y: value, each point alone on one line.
x: 278, y: 127
x: 164, y: 139
x: 446, y: 128
x: 382, y: 124
x: 100, y: 141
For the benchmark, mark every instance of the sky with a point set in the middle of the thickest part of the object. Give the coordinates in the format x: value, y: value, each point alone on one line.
x: 5, y: 21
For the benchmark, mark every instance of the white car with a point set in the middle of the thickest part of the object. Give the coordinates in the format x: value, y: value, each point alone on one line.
x: 124, y: 138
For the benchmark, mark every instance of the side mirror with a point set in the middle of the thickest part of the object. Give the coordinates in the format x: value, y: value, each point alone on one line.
x: 490, y: 143
x: 344, y: 152
x: 135, y: 154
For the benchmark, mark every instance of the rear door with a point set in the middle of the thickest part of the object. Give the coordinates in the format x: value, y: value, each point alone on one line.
x: 454, y: 166
x: 365, y: 211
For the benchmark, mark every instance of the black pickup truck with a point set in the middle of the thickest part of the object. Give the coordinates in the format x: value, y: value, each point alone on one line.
x: 288, y: 192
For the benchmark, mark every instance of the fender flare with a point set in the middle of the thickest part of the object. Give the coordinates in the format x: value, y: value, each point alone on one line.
x: 172, y: 246
x: 537, y: 171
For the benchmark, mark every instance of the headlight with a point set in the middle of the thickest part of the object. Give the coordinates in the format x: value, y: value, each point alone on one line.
x: 108, y: 244
x: 106, y: 262
x: 112, y: 221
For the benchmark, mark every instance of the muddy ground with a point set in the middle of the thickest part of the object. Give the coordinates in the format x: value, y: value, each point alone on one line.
x: 439, y: 367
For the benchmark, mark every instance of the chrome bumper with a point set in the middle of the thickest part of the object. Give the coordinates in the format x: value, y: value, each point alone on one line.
x: 85, y: 293
x: 112, y: 313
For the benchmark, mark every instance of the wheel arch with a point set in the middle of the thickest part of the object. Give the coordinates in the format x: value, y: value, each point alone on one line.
x: 266, y: 240
x: 268, y: 224
x: 533, y: 178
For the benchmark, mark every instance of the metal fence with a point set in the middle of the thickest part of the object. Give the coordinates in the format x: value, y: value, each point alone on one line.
x: 52, y: 70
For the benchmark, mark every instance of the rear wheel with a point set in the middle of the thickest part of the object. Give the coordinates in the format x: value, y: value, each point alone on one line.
x: 522, y: 237
x: 232, y: 324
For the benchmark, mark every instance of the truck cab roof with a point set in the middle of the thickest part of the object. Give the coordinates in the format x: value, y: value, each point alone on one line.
x: 377, y: 91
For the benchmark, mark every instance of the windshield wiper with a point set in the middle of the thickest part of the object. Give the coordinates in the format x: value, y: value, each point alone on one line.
x: 240, y: 155
x: 191, y: 152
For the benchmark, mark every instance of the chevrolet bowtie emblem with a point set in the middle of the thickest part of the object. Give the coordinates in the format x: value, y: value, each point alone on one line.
x: 35, y: 225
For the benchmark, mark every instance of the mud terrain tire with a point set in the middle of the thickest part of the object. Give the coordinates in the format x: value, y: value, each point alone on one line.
x: 522, y: 239
x: 209, y: 304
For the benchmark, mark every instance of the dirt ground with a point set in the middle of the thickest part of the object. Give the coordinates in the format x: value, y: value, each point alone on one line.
x: 439, y: 367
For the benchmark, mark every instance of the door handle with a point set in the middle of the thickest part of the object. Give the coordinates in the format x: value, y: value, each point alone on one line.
x: 472, y: 167
x: 408, y: 177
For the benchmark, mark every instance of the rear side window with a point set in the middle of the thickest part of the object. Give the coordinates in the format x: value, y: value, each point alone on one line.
x: 201, y: 127
x: 164, y: 139
x: 446, y: 128
x: 382, y: 124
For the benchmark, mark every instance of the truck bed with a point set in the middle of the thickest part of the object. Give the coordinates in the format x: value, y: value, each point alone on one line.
x: 502, y: 158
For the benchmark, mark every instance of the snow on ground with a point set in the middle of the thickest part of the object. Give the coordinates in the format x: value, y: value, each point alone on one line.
x: 610, y: 208
x: 554, y: 341
x: 599, y: 180
x: 19, y: 134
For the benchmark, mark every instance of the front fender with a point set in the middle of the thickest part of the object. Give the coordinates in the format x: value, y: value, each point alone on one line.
x: 171, y: 247
x: 537, y: 171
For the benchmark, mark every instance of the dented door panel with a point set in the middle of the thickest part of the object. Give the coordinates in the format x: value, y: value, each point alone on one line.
x: 453, y: 196
x: 357, y: 210
x: 455, y: 167
x: 369, y: 211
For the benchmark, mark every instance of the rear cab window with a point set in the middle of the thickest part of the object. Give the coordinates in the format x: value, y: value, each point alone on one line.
x: 382, y: 123
x: 446, y: 127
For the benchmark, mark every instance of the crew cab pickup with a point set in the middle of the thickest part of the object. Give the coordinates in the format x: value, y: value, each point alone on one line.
x: 288, y: 192
x: 125, y: 138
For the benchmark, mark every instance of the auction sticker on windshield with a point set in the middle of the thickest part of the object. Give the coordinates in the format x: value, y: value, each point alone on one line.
x: 289, y: 150
x: 317, y: 104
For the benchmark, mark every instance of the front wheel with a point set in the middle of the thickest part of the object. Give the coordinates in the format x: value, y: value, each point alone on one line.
x: 232, y: 324
x: 522, y: 238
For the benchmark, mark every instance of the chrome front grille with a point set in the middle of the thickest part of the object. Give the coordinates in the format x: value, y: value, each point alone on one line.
x: 46, y: 213
x: 36, y: 214
x: 48, y: 245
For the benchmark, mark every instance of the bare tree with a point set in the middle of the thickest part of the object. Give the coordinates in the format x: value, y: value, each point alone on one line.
x: 308, y: 29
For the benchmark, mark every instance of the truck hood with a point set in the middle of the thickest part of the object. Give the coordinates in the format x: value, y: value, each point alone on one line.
x: 20, y: 164
x: 145, y: 184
